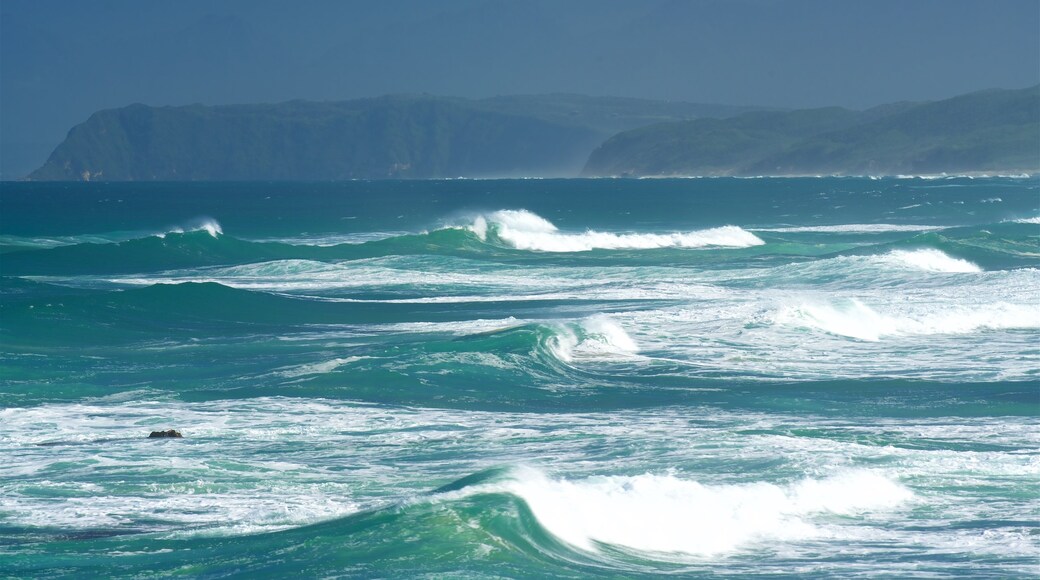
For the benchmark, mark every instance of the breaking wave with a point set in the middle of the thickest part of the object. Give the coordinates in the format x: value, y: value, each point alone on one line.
x: 208, y: 225
x: 525, y: 230
x: 929, y: 260
x: 597, y: 337
x: 1032, y: 220
x: 662, y: 514
x: 854, y: 319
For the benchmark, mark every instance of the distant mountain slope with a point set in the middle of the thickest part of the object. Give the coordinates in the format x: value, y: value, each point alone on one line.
x: 996, y: 130
x: 608, y: 115
x: 396, y: 136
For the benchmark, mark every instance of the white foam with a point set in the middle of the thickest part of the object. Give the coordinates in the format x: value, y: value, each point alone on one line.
x: 318, y: 368
x: 853, y: 228
x: 335, y: 457
x: 596, y: 337
x: 458, y: 328
x: 207, y: 225
x: 930, y: 260
x: 854, y: 319
x: 669, y: 514
x: 525, y: 230
x: 1032, y: 220
x: 895, y: 267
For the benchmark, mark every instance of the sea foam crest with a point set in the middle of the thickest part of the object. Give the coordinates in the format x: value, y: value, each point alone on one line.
x: 208, y: 225
x: 596, y: 337
x: 525, y: 230
x: 669, y: 514
x: 202, y: 225
x: 854, y: 319
x: 930, y: 260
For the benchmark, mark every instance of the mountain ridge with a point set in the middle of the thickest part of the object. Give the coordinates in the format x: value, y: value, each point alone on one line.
x: 554, y: 135
x: 391, y: 136
x: 991, y: 130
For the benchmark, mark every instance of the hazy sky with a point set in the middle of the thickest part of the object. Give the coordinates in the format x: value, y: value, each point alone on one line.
x: 61, y: 60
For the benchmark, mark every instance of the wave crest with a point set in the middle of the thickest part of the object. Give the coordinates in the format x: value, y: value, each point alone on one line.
x: 854, y: 319
x: 597, y: 337
x: 930, y: 260
x: 668, y: 514
x: 525, y: 230
x: 208, y: 225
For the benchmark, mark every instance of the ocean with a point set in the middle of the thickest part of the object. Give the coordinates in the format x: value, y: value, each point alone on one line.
x: 521, y: 378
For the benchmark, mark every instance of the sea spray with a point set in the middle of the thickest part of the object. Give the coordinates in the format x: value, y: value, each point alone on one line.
x: 208, y: 225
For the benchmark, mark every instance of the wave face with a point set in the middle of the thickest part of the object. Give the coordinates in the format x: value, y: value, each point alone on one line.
x: 529, y: 378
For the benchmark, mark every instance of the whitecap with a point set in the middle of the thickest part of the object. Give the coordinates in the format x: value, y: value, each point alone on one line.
x: 668, y: 514
x: 525, y: 230
x: 930, y: 260
x: 596, y: 337
x: 204, y: 224
x: 854, y: 319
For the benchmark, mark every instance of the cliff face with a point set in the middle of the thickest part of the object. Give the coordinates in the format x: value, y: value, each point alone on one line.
x: 386, y: 137
x: 379, y: 138
x: 996, y: 130
x: 546, y: 135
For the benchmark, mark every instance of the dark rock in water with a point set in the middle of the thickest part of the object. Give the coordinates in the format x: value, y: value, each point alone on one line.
x: 170, y: 433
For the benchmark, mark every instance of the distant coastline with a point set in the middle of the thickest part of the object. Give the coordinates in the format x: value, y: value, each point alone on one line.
x: 994, y: 132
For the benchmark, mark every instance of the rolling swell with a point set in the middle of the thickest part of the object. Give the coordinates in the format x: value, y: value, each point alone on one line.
x: 11, y: 243
x: 507, y: 235
x: 211, y: 303
x: 529, y: 523
x: 425, y: 538
x: 200, y: 249
x: 175, y: 250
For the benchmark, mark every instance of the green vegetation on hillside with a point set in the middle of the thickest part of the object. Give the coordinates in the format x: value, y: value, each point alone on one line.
x: 997, y: 130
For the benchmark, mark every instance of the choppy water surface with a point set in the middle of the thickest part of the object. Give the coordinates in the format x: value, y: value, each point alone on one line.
x: 531, y: 378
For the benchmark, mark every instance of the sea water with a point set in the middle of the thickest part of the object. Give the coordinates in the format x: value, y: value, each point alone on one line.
x: 521, y: 378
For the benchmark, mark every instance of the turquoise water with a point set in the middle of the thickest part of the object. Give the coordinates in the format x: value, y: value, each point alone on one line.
x: 521, y: 378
